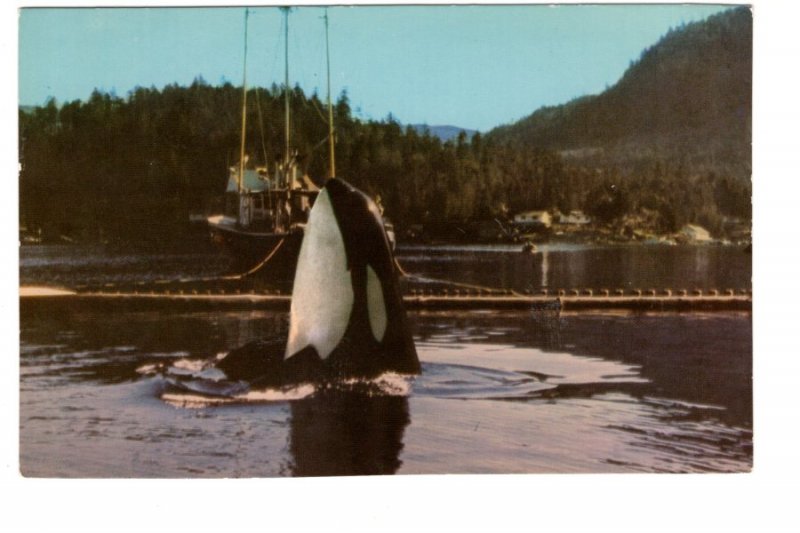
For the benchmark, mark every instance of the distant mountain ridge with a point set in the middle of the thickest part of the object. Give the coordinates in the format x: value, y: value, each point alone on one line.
x: 687, y: 103
x: 444, y: 133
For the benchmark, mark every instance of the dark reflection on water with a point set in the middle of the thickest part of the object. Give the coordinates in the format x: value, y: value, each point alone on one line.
x: 337, y: 433
x: 698, y: 359
x: 110, y: 347
x: 86, y: 264
x: 704, y: 358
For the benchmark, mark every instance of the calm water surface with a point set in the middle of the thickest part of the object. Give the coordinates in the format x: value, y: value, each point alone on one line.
x: 502, y: 392
x: 567, y: 266
x: 554, y: 265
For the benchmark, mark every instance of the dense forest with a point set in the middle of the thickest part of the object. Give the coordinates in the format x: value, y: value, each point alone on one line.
x: 134, y: 168
x: 137, y: 167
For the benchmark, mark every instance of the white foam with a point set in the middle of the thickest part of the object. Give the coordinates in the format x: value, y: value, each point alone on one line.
x: 192, y: 365
x: 212, y: 374
x: 388, y: 383
x: 299, y: 392
x: 394, y: 384
x: 147, y: 369
x: 193, y: 401
x: 198, y: 401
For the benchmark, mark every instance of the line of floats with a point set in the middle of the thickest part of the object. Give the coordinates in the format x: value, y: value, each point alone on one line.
x: 221, y: 295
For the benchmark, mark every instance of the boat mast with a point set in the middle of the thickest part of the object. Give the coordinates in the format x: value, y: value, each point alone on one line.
x: 244, y: 107
x: 286, y: 78
x: 332, y: 166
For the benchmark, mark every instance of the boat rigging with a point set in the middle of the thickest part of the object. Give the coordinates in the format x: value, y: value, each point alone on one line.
x: 265, y: 214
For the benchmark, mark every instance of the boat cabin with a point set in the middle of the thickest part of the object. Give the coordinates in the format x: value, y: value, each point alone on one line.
x: 267, y: 203
x: 252, y: 206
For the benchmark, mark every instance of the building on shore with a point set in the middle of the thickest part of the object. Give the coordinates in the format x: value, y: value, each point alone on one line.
x: 695, y: 233
x: 574, y: 218
x: 527, y: 221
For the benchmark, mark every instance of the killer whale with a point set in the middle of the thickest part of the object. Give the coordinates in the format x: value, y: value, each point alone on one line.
x: 347, y: 318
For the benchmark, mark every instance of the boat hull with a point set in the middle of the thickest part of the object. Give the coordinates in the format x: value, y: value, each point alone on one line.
x: 268, y: 254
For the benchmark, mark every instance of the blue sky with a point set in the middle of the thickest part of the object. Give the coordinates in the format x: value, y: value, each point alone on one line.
x: 472, y: 66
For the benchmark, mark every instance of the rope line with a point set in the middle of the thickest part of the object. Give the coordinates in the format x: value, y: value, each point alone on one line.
x: 423, y: 279
x: 258, y: 266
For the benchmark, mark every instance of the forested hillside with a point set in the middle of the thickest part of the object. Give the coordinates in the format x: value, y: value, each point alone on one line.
x: 135, y: 168
x: 685, y: 104
x: 667, y: 145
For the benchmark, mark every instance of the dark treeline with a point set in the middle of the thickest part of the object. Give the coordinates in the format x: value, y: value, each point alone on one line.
x: 137, y: 167
x: 134, y: 168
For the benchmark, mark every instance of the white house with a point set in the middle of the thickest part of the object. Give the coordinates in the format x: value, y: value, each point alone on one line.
x: 696, y: 233
x: 575, y: 217
x: 533, y: 220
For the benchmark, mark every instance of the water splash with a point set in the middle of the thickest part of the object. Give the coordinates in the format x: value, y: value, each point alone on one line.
x: 199, y: 401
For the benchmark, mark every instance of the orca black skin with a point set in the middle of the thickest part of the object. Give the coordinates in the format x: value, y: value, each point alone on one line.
x: 364, y: 350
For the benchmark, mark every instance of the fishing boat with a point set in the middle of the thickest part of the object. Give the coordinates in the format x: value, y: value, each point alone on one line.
x: 264, y: 216
x: 265, y: 213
